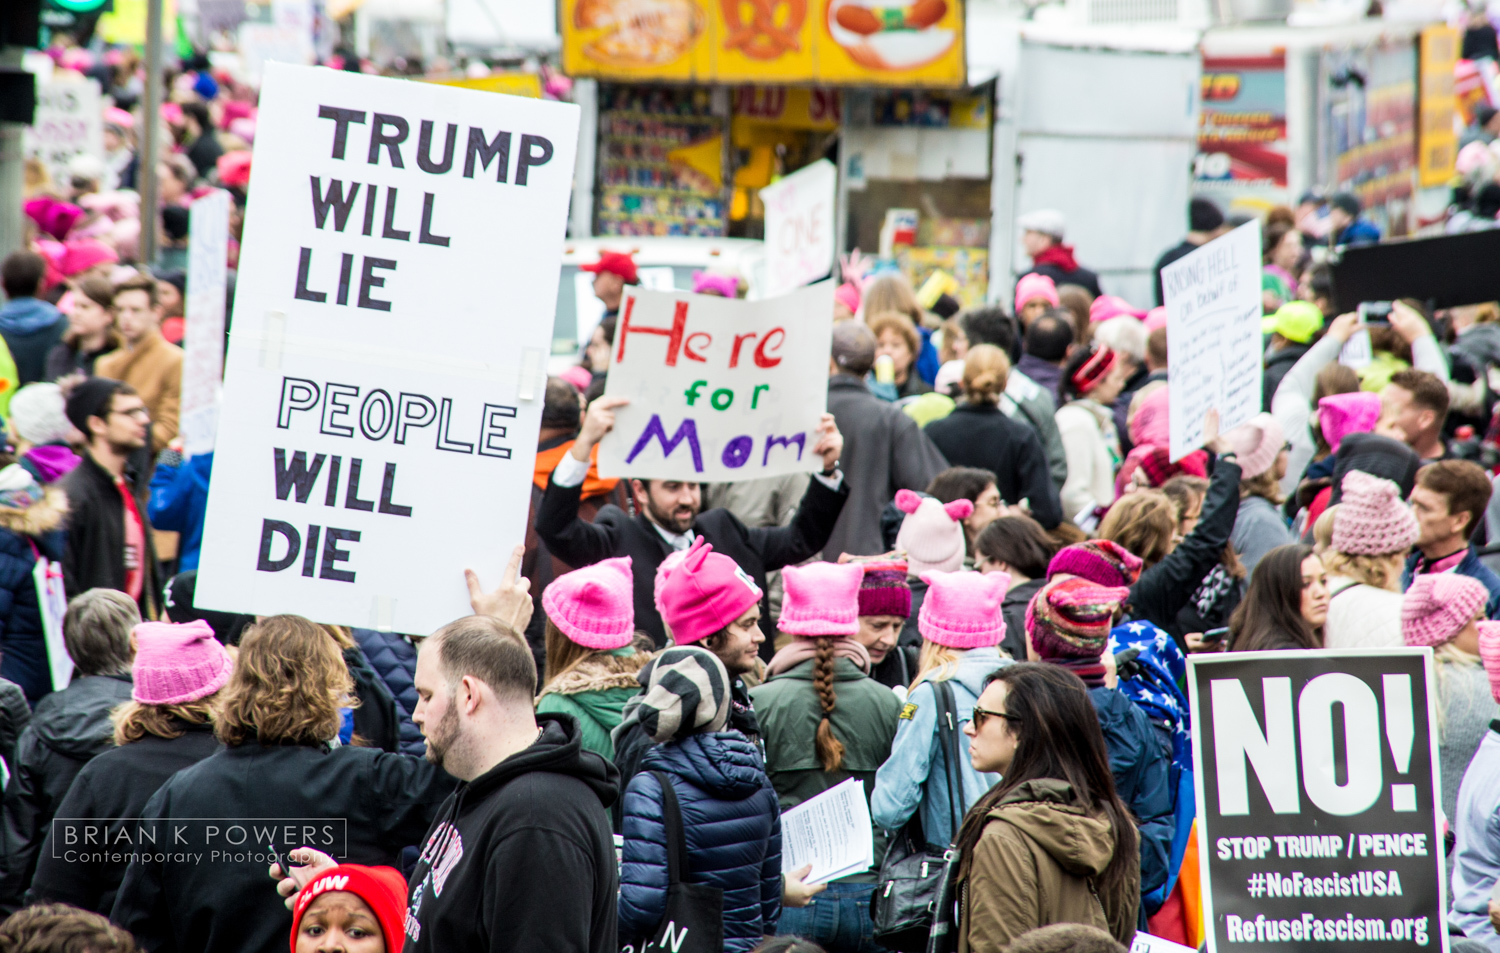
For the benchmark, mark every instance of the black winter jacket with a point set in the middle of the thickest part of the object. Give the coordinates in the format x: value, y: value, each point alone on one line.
x: 375, y: 718
x: 362, y: 805
x: 68, y: 729
x: 756, y: 550
x: 95, y: 554
x: 1014, y: 611
x: 521, y: 859
x: 15, y: 715
x: 23, y: 649
x: 394, y: 659
x: 72, y: 866
x: 980, y: 435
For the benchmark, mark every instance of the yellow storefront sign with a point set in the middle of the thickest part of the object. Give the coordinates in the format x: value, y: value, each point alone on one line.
x: 512, y: 84
x: 834, y: 42
x: 1437, y: 143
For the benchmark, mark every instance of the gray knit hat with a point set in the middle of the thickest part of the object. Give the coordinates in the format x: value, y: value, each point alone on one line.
x: 688, y: 693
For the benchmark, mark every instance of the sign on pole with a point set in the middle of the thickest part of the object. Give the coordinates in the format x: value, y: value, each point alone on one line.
x: 386, y: 369
x: 1213, y: 336
x: 203, y: 341
x: 1317, y: 787
x: 69, y: 121
x: 799, y: 227
x: 720, y: 389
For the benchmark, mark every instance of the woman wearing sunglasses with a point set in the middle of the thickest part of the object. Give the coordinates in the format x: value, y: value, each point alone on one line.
x: 1052, y: 842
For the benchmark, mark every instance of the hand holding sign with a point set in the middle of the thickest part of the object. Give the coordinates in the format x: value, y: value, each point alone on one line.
x: 830, y: 445
x: 511, y: 602
x: 598, y: 421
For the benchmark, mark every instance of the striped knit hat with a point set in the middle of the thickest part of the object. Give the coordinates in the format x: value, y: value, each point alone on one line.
x: 884, y: 590
x: 1103, y: 562
x: 688, y: 694
x: 1071, y: 618
x: 1489, y: 652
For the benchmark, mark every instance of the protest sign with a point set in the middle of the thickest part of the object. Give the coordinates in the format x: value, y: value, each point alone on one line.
x: 203, y: 342
x: 1213, y: 336
x: 386, y: 369
x: 799, y: 227
x: 1317, y: 791
x: 69, y: 122
x: 720, y: 389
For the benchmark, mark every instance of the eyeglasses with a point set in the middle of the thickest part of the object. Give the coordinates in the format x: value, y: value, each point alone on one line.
x: 139, y: 413
x: 980, y: 714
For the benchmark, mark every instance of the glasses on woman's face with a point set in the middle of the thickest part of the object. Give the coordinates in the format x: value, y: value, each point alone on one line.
x: 981, y: 714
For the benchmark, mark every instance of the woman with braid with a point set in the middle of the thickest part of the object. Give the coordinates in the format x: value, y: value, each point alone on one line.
x: 824, y: 720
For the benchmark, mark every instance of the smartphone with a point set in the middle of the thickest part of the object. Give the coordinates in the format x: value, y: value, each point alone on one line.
x: 1214, y: 636
x: 1375, y: 313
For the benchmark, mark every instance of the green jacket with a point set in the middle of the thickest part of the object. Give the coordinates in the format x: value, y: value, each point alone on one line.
x: 595, y: 697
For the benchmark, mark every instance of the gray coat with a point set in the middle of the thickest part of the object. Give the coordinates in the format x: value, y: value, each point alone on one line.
x: 1027, y: 401
x: 1258, y: 529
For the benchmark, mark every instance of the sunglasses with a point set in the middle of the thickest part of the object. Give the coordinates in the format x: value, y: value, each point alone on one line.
x: 981, y: 714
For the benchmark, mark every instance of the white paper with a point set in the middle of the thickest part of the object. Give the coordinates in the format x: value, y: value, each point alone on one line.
x: 1213, y: 306
x: 69, y: 121
x: 203, y: 343
x: 1146, y: 943
x: 799, y: 227
x: 831, y: 831
x: 720, y: 389
x: 47, y: 579
x: 1357, y: 352
x: 409, y: 387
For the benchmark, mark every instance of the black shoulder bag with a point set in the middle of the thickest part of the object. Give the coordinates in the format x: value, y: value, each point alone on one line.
x: 694, y: 918
x: 914, y: 876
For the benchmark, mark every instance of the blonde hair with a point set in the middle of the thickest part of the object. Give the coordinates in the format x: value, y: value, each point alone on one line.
x: 986, y: 371
x: 1382, y: 572
x: 288, y: 685
x: 883, y: 321
x: 1323, y: 531
x: 1450, y: 658
x: 1264, y: 485
x: 1145, y: 522
x: 892, y: 292
x: 935, y: 663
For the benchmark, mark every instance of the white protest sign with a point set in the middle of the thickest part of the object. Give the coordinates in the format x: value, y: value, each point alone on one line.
x: 1213, y: 336
x: 69, y: 121
x: 386, y: 369
x: 203, y: 343
x: 720, y: 389
x: 799, y: 227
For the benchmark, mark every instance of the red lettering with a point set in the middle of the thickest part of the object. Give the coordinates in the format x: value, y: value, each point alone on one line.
x: 734, y: 355
x: 672, y: 334
x: 687, y: 345
x: 761, y: 359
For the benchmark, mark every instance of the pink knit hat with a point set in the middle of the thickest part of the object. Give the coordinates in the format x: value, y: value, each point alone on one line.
x: 1340, y: 415
x: 821, y: 599
x: 1372, y: 519
x: 847, y: 294
x: 1151, y: 423
x: 1438, y: 605
x: 1110, y: 306
x: 1103, y: 562
x: 962, y: 609
x: 1256, y: 442
x: 705, y: 593
x: 932, y: 533
x: 594, y: 606
x: 1156, y: 318
x: 1033, y: 285
x: 83, y: 254
x: 1489, y: 652
x: 1071, y: 617
x: 176, y: 664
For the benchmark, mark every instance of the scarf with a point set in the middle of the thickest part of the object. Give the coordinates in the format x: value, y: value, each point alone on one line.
x: 1091, y: 670
x: 1060, y: 255
x: 800, y: 650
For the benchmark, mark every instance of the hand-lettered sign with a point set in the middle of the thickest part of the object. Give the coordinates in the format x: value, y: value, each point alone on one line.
x: 799, y: 227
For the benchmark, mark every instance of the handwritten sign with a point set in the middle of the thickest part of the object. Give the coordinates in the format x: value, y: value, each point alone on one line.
x: 69, y: 122
x: 386, y: 371
x: 720, y: 389
x: 799, y: 227
x: 1213, y: 336
x: 203, y: 343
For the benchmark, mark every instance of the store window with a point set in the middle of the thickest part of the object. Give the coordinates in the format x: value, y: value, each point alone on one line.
x: 662, y: 151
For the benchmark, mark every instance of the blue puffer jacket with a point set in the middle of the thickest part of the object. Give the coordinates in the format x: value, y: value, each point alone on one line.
x: 23, y: 650
x: 394, y: 659
x: 1139, y: 758
x: 733, y: 827
x: 179, y: 498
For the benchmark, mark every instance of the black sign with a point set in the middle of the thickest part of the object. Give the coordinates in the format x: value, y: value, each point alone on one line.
x: 1317, y: 801
x: 1446, y: 271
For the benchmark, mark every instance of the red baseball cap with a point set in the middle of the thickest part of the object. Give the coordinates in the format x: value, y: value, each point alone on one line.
x: 616, y: 263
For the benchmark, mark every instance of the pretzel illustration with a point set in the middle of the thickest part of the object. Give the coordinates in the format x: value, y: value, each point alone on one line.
x: 761, y: 38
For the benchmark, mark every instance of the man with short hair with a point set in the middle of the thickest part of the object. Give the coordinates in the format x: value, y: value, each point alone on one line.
x: 1048, y: 341
x: 1413, y: 407
x: 1347, y: 224
x: 1449, y: 503
x: 109, y: 535
x: 1205, y: 223
x: 1042, y: 233
x: 612, y: 272
x: 145, y: 360
x: 31, y: 327
x: 203, y: 148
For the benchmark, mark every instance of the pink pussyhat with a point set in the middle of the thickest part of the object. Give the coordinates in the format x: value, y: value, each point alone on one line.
x: 706, y: 282
x: 932, y: 533
x: 1437, y: 606
x: 704, y: 594
x: 1156, y: 318
x: 821, y: 599
x: 1489, y: 653
x: 1340, y: 415
x: 594, y: 606
x: 962, y: 609
x: 177, y: 664
x: 1033, y: 286
x: 847, y: 294
x: 1109, y: 306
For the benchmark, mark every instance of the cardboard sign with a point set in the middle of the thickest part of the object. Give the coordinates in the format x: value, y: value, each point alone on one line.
x: 1317, y: 788
x: 203, y: 341
x: 1213, y: 336
x: 720, y: 389
x: 69, y: 121
x: 386, y: 370
x: 799, y: 227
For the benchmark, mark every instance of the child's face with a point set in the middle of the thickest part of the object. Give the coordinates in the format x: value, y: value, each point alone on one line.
x: 339, y: 922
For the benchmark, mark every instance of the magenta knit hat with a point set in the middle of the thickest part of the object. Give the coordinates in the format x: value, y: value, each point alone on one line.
x: 1340, y: 415
x: 1372, y: 519
x: 1489, y: 653
x: 884, y: 590
x: 932, y: 533
x: 176, y: 664
x: 821, y: 599
x: 1033, y: 285
x: 1103, y: 562
x: 962, y: 609
x: 1256, y: 442
x: 704, y: 594
x: 1071, y: 618
x: 594, y: 606
x: 1438, y: 605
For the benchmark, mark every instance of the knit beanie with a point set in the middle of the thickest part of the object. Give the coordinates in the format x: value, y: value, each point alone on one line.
x: 176, y: 664
x: 1372, y: 519
x: 1103, y: 562
x: 18, y: 488
x: 884, y: 590
x: 688, y: 693
x: 1150, y: 423
x: 1489, y: 653
x: 1071, y: 618
x: 1377, y: 455
x: 594, y: 606
x: 932, y: 534
x: 37, y: 414
x: 705, y: 593
x: 1257, y: 442
x: 848, y: 295
x: 1032, y: 286
x: 673, y: 560
x: 1339, y: 415
x: 89, y: 399
x: 821, y: 599
x: 1438, y: 605
x: 962, y: 609
x: 383, y: 888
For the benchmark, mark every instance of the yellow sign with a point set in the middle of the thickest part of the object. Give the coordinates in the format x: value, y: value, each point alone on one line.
x: 126, y: 23
x: 835, y: 42
x: 1437, y: 143
x: 512, y: 84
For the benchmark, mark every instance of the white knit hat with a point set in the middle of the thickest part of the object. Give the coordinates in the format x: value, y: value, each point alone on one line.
x: 37, y: 415
x: 1048, y: 221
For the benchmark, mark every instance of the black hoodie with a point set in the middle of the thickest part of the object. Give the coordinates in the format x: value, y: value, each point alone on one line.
x: 521, y: 859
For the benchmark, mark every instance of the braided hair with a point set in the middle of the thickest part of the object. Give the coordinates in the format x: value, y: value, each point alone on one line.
x: 830, y: 749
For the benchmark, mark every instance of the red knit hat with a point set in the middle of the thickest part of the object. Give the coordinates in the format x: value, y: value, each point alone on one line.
x: 383, y: 888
